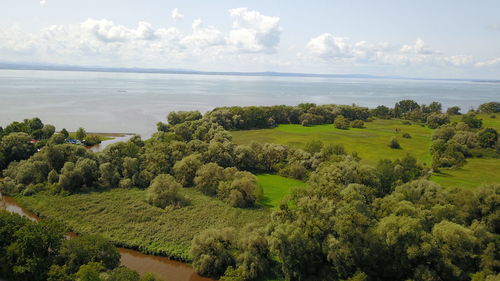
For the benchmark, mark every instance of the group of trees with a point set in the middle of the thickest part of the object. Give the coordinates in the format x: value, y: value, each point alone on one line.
x: 38, y: 251
x: 353, y: 224
x: 307, y: 114
x: 453, y: 143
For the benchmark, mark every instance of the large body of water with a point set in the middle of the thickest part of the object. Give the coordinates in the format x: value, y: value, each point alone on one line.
x: 134, y: 103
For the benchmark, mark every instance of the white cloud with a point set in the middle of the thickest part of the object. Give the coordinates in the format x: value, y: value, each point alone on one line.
x: 43, y: 2
x: 340, y: 49
x: 176, y: 15
x: 204, y: 36
x: 492, y: 62
x: 419, y: 47
x: 254, y: 32
x: 328, y: 46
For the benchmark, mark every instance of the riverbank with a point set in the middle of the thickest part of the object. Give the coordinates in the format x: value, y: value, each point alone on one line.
x: 162, y: 267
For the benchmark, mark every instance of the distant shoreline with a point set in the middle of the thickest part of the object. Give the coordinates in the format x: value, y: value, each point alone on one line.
x: 47, y: 67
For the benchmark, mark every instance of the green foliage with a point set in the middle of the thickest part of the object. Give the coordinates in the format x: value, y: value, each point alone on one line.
x: 182, y: 116
x: 185, y: 170
x: 88, y: 248
x: 341, y: 122
x: 434, y: 120
x: 488, y: 137
x: 163, y: 192
x: 124, y: 217
x: 313, y: 146
x: 490, y: 107
x: 123, y: 274
x: 454, y: 110
x: 212, y: 252
x: 357, y: 124
x: 80, y: 134
x: 393, y: 143
x: 90, y: 272
x: 405, y: 106
x: 471, y: 120
x: 208, y: 177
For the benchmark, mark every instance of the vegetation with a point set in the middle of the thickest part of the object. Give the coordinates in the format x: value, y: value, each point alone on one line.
x: 361, y: 209
x: 34, y: 251
x: 124, y: 217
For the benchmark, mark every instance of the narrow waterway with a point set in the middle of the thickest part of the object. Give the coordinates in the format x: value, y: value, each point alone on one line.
x: 100, y: 147
x: 162, y: 267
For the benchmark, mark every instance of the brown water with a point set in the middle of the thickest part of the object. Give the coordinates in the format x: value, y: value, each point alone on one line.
x: 162, y: 267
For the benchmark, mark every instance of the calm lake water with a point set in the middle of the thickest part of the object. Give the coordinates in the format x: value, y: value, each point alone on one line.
x: 134, y: 103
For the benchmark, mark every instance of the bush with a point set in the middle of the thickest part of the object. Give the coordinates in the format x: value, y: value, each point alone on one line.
x: 163, y: 192
x: 454, y: 110
x: 393, y: 143
x: 341, y: 122
x: 488, y: 138
x: 313, y: 146
x: 212, y: 252
x: 406, y: 136
x: 358, y: 124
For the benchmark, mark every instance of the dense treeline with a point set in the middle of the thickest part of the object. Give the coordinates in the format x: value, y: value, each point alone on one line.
x: 31, y: 251
x: 346, y: 227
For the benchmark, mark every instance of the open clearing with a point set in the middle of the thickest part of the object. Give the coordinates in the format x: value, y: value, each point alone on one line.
x: 371, y: 145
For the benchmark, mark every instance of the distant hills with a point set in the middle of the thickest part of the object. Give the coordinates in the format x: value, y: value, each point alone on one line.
x: 55, y: 67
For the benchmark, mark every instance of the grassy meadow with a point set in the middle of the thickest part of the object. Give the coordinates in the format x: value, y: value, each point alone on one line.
x: 124, y: 217
x: 370, y: 142
x: 371, y: 145
x: 276, y: 188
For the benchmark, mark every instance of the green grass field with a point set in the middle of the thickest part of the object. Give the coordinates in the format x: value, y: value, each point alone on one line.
x: 371, y: 145
x: 124, y: 217
x: 276, y: 187
x: 371, y: 142
x: 477, y: 171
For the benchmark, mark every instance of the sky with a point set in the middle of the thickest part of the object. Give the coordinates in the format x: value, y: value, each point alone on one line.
x: 433, y: 39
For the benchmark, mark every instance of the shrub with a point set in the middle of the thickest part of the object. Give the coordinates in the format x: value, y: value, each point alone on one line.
x: 212, y: 252
x: 313, y: 146
x: 393, y: 143
x: 358, y: 124
x: 406, y: 136
x: 488, y: 137
x: 163, y: 192
x: 471, y: 120
x: 454, y: 110
x: 341, y: 122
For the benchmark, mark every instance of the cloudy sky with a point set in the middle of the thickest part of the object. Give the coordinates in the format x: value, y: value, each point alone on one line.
x: 424, y: 38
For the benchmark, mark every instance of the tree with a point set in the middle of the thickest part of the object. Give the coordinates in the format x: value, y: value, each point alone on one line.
x: 471, y: 120
x: 341, y: 122
x: 435, y: 120
x: 16, y: 146
x: 454, y: 110
x: 212, y: 252
x: 185, y: 170
x: 488, y: 137
x: 80, y: 134
x: 65, y: 133
x: 313, y: 146
x: 490, y: 107
x: 30, y: 256
x: 393, y: 143
x: 163, y: 192
x: 382, y: 111
x: 357, y: 124
x: 405, y: 106
x: 90, y: 272
x: 123, y: 274
x: 88, y: 248
x: 208, y: 177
